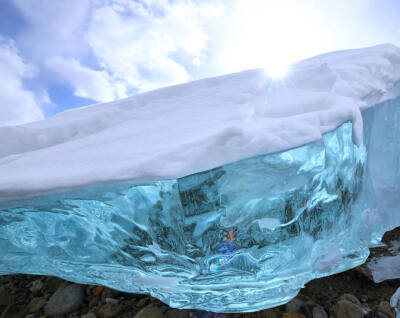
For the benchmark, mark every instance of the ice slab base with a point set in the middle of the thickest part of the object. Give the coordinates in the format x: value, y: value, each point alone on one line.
x: 241, y: 237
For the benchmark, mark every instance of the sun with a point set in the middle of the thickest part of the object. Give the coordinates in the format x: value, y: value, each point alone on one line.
x: 271, y: 35
x: 277, y: 70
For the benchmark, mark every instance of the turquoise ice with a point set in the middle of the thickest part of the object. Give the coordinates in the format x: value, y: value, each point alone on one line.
x: 296, y: 215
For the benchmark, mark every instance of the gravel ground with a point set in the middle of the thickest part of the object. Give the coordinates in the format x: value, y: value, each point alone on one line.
x: 351, y: 294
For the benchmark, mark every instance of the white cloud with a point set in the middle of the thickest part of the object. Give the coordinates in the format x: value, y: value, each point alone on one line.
x: 17, y: 104
x: 107, y: 49
x: 55, y: 28
x: 268, y: 34
x: 93, y: 84
x: 137, y: 41
x: 121, y: 46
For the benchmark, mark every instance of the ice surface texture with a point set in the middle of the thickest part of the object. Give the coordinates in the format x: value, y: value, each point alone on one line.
x: 241, y: 237
x: 241, y: 189
x: 383, y: 182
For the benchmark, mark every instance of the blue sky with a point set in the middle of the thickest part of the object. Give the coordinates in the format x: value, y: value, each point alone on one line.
x: 56, y: 55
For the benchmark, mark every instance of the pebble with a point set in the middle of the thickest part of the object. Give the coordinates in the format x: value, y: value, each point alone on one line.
x: 150, y: 312
x: 111, y: 301
x: 351, y: 298
x: 347, y: 309
x: 164, y: 308
x: 319, y: 312
x: 90, y: 315
x: 294, y: 305
x: 307, y: 307
x: 207, y: 314
x: 51, y: 284
x: 88, y: 290
x: 109, y: 293
x: 380, y: 314
x: 385, y: 308
x: 97, y: 290
x: 293, y: 315
x: 36, y: 286
x: 36, y: 304
x: 270, y: 313
x: 94, y: 301
x: 94, y: 309
x: 5, y: 297
x: 110, y: 310
x: 65, y: 300
x: 365, y: 271
x: 142, y: 302
x: 176, y: 313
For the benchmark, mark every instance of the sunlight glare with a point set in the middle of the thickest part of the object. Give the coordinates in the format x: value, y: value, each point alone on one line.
x: 277, y: 69
x: 271, y: 35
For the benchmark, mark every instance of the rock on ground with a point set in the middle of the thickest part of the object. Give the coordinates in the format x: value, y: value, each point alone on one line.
x: 65, y: 300
x: 150, y: 312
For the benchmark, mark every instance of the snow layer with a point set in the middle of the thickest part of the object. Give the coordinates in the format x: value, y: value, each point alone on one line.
x: 184, y: 129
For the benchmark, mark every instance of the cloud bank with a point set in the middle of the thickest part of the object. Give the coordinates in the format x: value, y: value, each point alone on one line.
x: 17, y: 104
x: 86, y: 51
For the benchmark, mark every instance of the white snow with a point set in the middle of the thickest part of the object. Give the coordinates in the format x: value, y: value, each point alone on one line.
x: 385, y: 267
x: 184, y: 129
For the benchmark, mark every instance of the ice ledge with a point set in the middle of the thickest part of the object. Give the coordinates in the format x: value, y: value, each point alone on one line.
x: 185, y: 129
x: 241, y: 237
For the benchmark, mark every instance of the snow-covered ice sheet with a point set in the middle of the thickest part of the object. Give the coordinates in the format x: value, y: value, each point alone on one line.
x: 184, y: 129
x: 243, y: 236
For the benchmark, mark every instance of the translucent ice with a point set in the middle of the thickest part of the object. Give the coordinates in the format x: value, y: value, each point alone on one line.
x: 243, y: 236
x: 240, y: 237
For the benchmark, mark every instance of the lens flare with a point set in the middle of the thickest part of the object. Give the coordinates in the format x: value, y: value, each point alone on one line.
x: 277, y: 69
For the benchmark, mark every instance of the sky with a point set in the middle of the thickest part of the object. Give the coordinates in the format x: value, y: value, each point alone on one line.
x: 58, y: 55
